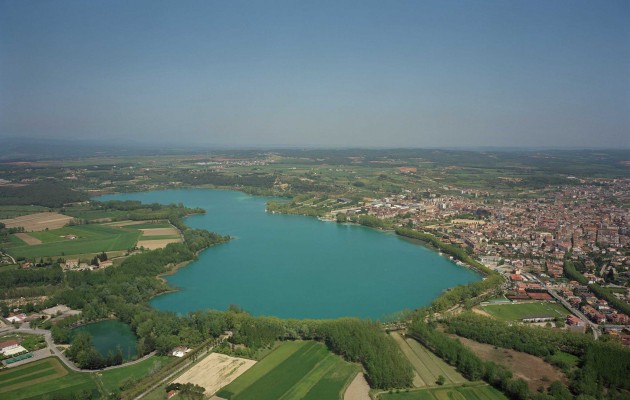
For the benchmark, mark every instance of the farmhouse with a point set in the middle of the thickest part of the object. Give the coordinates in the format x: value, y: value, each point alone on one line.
x: 17, y: 318
x: 8, y: 346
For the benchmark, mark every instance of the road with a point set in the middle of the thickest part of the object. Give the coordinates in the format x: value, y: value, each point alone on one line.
x: 578, y: 313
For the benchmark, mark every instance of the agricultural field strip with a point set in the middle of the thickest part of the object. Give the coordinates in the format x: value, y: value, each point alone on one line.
x: 41, y: 372
x: 449, y: 372
x: 159, y: 231
x: 304, y: 385
x: 426, y: 372
x: 417, y: 364
x: 18, y: 381
x: 91, y: 239
x: 426, y: 363
x: 28, y: 239
x: 38, y: 221
x: 479, y: 392
x: 334, y: 383
x: 278, y: 381
x: 215, y: 371
x: 268, y: 363
x: 58, y: 387
x: 163, y: 237
x: 14, y: 373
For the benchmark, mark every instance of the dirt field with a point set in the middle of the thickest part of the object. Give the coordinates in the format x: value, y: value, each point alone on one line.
x: 156, y: 244
x: 525, y: 366
x: 125, y: 223
x: 479, y: 311
x: 215, y: 371
x: 159, y: 232
x: 358, y: 389
x: 38, y: 222
x: 28, y: 239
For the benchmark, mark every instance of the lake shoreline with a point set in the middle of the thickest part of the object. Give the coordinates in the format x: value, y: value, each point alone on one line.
x: 342, y: 269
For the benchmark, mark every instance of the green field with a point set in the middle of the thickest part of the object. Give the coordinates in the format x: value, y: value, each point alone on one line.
x: 518, y: 311
x: 427, y: 366
x: 478, y: 392
x: 150, y: 226
x: 93, y: 238
x: 112, y: 379
x: 304, y: 370
x: 44, y: 377
x: 92, y: 215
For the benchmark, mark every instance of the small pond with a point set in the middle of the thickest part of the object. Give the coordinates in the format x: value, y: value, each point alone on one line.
x: 108, y: 335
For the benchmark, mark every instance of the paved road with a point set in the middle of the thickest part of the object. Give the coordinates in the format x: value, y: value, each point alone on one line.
x: 575, y: 311
x: 578, y: 313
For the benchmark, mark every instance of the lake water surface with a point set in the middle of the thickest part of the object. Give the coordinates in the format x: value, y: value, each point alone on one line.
x: 298, y: 267
x: 108, y: 335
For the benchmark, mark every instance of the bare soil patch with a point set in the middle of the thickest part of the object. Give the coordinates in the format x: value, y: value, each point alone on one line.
x: 126, y: 223
x: 215, y: 371
x: 159, y: 231
x: 28, y: 239
x: 156, y: 244
x: 533, y: 370
x: 358, y: 389
x: 479, y: 311
x: 38, y: 222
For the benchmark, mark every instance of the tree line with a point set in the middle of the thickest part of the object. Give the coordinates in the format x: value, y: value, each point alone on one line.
x: 47, y: 193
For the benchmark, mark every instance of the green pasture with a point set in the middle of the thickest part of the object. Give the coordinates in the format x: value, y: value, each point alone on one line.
x: 427, y: 366
x: 305, y: 370
x: 518, y: 311
x: 93, y: 238
x: 44, y: 377
x: 112, y: 379
x: 478, y: 392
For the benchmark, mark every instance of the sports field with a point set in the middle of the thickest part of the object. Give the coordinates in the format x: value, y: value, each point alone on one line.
x: 427, y: 366
x: 44, y: 377
x: 295, y: 370
x: 518, y: 311
x: 480, y: 392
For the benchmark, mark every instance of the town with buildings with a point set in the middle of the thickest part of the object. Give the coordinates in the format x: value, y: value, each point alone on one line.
x: 529, y: 238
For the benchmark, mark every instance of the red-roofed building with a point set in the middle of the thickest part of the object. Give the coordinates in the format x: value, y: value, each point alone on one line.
x: 11, y: 344
x: 539, y: 295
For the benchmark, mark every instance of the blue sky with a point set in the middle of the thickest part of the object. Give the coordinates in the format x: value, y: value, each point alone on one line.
x: 321, y: 73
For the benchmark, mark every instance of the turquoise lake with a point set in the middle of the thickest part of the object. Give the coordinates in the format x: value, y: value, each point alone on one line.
x: 298, y: 267
x: 108, y: 335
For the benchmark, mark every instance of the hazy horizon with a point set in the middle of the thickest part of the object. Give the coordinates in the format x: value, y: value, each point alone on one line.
x: 430, y: 74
